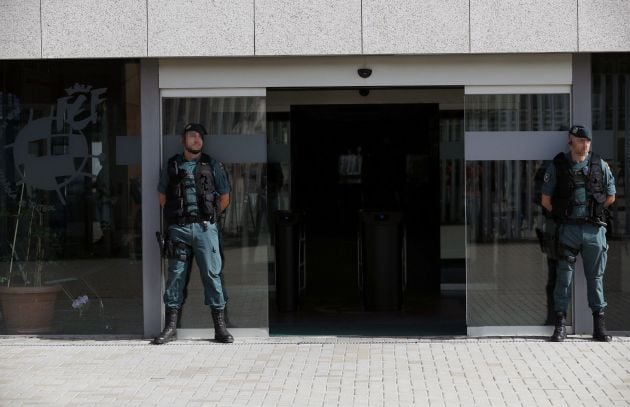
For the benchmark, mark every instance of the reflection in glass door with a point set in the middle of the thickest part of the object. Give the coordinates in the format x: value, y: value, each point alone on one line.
x: 237, y: 137
x: 611, y: 132
x: 508, y: 137
x: 70, y: 196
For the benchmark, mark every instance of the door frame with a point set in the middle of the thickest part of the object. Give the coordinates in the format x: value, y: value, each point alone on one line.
x: 515, y: 145
x: 172, y: 75
x: 154, y: 267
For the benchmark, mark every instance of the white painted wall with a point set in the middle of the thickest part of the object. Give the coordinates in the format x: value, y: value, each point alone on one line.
x: 282, y: 100
x: 433, y: 70
x: 208, y: 28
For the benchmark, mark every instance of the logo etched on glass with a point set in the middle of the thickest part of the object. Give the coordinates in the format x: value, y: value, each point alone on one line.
x: 52, y: 151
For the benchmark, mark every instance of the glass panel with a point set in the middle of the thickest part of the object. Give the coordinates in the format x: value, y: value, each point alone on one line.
x: 451, y: 167
x: 611, y: 110
x: 452, y: 215
x: 279, y: 169
x: 70, y: 194
x: 235, y: 125
x: 507, y: 273
x: 541, y: 112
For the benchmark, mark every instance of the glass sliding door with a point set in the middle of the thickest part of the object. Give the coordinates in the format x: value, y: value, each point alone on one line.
x: 235, y: 121
x: 508, y: 137
x: 611, y: 135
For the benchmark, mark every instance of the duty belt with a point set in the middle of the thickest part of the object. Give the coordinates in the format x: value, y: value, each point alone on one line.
x: 582, y: 221
x: 186, y: 220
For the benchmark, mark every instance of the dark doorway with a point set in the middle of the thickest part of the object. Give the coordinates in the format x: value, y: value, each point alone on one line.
x: 346, y: 159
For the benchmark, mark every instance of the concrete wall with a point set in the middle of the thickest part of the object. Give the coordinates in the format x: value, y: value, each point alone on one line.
x: 173, y: 28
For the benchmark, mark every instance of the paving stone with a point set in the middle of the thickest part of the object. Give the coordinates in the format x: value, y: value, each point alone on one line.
x: 315, y: 372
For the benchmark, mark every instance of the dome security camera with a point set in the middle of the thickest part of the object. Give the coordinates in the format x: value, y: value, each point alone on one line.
x: 364, y: 72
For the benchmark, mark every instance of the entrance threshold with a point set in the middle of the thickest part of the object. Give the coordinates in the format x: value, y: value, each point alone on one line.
x: 209, y: 333
x: 546, y: 330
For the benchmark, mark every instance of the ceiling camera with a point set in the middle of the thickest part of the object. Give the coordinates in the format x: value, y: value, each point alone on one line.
x: 364, y: 72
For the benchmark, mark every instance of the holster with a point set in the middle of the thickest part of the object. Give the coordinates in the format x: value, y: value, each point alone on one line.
x: 177, y: 250
x: 552, y: 248
x: 162, y: 243
x: 550, y: 243
x: 170, y: 249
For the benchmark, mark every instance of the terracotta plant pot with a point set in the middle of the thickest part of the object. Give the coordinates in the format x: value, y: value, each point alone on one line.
x: 28, y: 310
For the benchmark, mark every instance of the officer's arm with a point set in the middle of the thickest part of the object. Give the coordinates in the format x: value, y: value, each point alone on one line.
x: 162, y: 186
x: 546, y: 202
x: 224, y: 201
x: 548, y: 187
x: 610, y: 185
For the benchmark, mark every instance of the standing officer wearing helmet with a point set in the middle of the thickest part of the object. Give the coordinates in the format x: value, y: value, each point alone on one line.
x: 193, y: 190
x: 578, y: 188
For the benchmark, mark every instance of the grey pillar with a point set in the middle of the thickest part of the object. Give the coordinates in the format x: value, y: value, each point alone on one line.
x: 151, y: 262
x: 582, y: 114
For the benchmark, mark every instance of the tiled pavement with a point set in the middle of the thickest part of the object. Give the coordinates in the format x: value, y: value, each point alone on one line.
x: 316, y: 371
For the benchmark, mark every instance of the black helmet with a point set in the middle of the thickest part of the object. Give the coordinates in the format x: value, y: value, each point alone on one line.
x: 580, y: 132
x: 195, y: 127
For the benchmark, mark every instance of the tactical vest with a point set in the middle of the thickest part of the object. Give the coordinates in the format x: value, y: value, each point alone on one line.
x: 176, y: 208
x: 567, y: 181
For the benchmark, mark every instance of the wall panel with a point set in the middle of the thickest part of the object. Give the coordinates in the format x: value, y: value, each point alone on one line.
x: 20, y: 29
x: 427, y: 70
x: 94, y: 28
x: 316, y: 27
x: 523, y: 26
x: 201, y: 28
x: 415, y: 26
x: 604, y: 25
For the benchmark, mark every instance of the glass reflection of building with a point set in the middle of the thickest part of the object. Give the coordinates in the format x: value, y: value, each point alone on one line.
x: 70, y: 148
x: 506, y: 271
x: 236, y: 132
x: 611, y: 115
x: 79, y: 180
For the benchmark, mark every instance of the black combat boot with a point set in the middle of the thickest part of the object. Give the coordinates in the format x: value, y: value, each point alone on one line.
x: 599, y: 327
x: 226, y: 316
x: 560, y: 333
x: 170, y: 328
x: 221, y: 333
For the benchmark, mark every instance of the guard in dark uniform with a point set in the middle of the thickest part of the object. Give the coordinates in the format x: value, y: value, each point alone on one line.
x: 193, y: 190
x: 578, y: 188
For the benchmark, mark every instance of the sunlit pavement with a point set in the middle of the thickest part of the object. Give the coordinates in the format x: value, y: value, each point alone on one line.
x: 316, y: 371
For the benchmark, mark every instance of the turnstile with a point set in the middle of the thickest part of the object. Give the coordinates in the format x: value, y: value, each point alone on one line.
x: 381, y: 260
x: 290, y: 256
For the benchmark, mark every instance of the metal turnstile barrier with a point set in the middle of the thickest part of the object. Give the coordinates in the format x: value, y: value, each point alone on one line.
x: 290, y: 250
x: 382, y: 271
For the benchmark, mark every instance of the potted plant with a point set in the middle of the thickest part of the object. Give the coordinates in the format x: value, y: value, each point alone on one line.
x: 27, y: 302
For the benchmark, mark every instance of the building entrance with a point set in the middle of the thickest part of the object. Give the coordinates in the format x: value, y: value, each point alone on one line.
x: 365, y: 183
